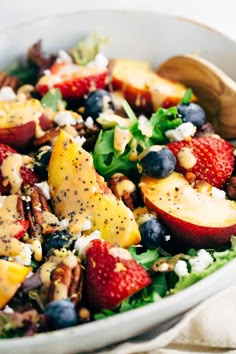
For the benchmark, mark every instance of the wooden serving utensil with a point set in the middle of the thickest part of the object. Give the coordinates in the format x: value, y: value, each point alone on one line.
x: 215, y: 91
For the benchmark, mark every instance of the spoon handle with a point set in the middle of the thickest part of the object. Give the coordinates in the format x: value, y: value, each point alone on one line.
x: 215, y: 90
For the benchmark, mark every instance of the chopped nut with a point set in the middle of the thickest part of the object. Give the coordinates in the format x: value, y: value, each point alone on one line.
x: 26, y: 90
x: 7, y: 80
x: 66, y: 282
x: 84, y: 315
x: 124, y: 189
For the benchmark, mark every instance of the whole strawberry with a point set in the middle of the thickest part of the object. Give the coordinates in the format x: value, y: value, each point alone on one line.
x: 28, y: 176
x: 209, y: 158
x: 112, y: 275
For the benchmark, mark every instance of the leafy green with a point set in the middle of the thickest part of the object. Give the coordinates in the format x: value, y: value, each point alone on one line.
x: 221, y: 258
x: 27, y: 74
x: 86, y: 50
x: 34, y: 264
x: 145, y: 258
x: 187, y: 97
x: 53, y: 99
x: 108, y: 160
x: 16, y: 324
x: 163, y: 120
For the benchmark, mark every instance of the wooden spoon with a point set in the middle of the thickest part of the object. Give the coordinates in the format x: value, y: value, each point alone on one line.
x: 216, y: 92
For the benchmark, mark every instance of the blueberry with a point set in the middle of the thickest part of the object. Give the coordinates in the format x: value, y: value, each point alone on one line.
x: 152, y: 233
x: 41, y: 160
x: 158, y: 164
x: 61, y: 314
x: 58, y: 240
x: 192, y: 113
x: 97, y: 102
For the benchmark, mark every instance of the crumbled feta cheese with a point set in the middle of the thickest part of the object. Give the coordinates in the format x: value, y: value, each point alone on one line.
x: 218, y: 193
x: 183, y: 131
x: 44, y: 188
x: 80, y: 140
x: 83, y: 241
x: 25, y: 257
x: 63, y: 57
x: 181, y: 268
x: 89, y: 123
x: 145, y: 126
x: 47, y: 72
x: 64, y: 224
x: 64, y: 118
x: 99, y: 61
x: 167, y: 238
x: 202, y: 261
x: 8, y: 309
x: 7, y: 94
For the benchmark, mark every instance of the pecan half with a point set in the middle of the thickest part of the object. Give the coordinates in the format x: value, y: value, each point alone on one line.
x: 8, y: 80
x: 33, y: 206
x: 90, y: 135
x: 67, y: 281
x: 124, y: 189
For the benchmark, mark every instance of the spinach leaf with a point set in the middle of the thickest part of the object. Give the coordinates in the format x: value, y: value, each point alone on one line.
x: 53, y: 99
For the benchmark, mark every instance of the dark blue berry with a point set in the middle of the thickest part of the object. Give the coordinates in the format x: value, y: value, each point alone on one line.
x: 41, y: 160
x: 152, y: 233
x: 61, y: 314
x: 58, y: 240
x: 192, y: 113
x: 97, y: 102
x: 158, y: 164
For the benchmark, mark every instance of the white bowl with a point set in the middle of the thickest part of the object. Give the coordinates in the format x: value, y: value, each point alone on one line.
x: 141, y: 35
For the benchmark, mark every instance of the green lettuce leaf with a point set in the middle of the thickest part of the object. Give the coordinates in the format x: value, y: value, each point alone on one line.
x: 221, y: 258
x: 53, y: 99
x: 108, y: 160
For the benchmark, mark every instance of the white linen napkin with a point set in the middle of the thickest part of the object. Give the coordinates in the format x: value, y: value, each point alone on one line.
x: 208, y: 328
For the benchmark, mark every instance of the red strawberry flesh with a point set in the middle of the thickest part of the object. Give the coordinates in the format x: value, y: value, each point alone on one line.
x: 27, y: 175
x: 74, y: 81
x: 214, y: 159
x: 111, y: 275
x: 24, y: 224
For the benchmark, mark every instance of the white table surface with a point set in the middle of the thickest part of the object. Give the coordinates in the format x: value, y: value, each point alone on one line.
x: 218, y: 14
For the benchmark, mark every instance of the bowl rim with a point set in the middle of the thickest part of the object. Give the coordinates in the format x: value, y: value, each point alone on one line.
x: 180, y: 18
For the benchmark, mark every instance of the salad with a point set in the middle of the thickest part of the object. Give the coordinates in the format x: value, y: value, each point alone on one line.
x: 115, y: 190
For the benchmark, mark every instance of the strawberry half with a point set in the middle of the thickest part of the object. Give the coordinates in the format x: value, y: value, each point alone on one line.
x: 27, y: 175
x: 112, y: 275
x: 212, y: 159
x: 72, y: 80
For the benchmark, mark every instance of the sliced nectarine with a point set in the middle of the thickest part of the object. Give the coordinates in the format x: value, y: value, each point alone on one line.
x: 195, y: 218
x: 82, y: 197
x: 12, y: 276
x: 21, y: 121
x: 142, y: 87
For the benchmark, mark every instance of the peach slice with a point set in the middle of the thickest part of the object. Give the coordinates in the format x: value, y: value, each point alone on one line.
x: 21, y: 121
x: 12, y: 276
x: 142, y: 87
x: 81, y: 196
x: 195, y: 218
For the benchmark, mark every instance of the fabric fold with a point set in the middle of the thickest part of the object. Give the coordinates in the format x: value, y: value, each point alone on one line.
x: 210, y: 327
